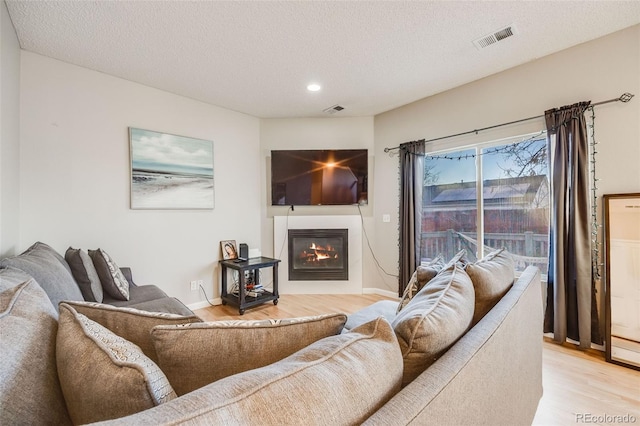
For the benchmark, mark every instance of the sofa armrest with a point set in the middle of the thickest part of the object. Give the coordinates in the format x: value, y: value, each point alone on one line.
x: 126, y: 271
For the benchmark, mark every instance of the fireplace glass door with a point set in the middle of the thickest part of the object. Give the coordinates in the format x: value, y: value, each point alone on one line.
x: 318, y: 254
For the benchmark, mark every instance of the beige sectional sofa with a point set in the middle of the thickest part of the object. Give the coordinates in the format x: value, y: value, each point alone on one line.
x: 73, y: 365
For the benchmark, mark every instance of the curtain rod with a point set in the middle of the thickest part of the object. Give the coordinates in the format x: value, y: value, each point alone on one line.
x: 625, y: 97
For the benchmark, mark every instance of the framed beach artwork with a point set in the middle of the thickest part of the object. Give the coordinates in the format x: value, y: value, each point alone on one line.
x: 170, y: 171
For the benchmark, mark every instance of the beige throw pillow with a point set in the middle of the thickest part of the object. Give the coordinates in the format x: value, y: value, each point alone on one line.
x: 339, y: 380
x: 434, y: 319
x: 422, y: 275
x: 459, y: 257
x: 131, y: 324
x: 492, y: 277
x: 102, y: 375
x: 194, y: 355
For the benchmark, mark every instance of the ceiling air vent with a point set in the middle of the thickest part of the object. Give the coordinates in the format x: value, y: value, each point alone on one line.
x: 494, y: 37
x: 333, y: 109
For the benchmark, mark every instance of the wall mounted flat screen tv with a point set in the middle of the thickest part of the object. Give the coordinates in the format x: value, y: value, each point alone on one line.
x: 319, y: 177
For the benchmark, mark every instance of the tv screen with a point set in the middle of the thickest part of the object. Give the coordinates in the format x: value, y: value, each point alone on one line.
x: 319, y: 177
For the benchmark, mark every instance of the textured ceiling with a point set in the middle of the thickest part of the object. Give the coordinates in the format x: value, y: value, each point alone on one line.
x: 257, y: 57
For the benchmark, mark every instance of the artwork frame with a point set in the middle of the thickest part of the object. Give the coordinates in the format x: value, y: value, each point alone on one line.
x: 229, y: 249
x: 170, y: 172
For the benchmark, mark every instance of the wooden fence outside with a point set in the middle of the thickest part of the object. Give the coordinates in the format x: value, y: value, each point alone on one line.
x: 528, y: 248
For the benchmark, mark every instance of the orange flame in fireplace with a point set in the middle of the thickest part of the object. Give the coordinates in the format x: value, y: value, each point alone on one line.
x: 322, y: 253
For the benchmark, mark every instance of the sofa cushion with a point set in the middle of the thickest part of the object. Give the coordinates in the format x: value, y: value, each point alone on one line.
x: 169, y: 305
x: 422, y: 275
x: 50, y: 271
x: 195, y: 355
x: 112, y: 279
x: 102, y: 375
x: 29, y: 388
x: 383, y: 308
x: 137, y: 294
x: 131, y: 324
x: 434, y: 319
x: 85, y: 274
x: 339, y: 380
x: 12, y: 277
x: 492, y: 276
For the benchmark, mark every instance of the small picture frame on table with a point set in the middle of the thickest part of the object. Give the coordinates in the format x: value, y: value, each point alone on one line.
x: 229, y: 249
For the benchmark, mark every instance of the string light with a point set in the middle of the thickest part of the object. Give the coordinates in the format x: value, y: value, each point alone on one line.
x: 596, y: 265
x: 489, y: 151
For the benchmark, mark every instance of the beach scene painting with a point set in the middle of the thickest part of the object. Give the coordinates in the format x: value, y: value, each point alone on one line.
x: 170, y: 172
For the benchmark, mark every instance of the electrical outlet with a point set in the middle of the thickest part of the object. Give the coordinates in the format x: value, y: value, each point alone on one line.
x: 200, y: 283
x: 194, y: 285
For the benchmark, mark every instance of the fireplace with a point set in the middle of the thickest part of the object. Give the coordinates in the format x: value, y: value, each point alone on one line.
x: 318, y: 254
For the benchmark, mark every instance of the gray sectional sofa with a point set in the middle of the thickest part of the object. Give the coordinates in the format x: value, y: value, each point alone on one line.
x: 391, y: 366
x: 74, y: 277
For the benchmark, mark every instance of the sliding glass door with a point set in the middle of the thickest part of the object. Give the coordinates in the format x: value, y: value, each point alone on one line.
x: 494, y: 193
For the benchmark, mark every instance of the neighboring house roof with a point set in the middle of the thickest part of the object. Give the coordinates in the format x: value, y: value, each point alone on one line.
x: 526, y: 190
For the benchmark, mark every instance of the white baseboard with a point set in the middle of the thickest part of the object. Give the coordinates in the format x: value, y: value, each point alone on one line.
x: 204, y: 304
x: 381, y: 292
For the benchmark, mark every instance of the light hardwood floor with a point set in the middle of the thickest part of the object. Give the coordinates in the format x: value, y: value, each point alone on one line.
x: 579, y: 386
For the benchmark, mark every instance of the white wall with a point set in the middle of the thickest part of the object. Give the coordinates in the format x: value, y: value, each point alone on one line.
x: 318, y: 133
x: 9, y: 135
x: 598, y: 70
x: 75, y: 175
x: 74, y: 166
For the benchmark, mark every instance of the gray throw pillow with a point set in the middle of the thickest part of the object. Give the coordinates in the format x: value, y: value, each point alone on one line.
x: 50, y: 271
x: 12, y: 277
x: 85, y: 274
x: 30, y: 391
x: 112, y: 279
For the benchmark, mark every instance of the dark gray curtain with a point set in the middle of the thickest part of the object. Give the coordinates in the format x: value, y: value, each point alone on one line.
x: 571, y: 309
x: 411, y: 183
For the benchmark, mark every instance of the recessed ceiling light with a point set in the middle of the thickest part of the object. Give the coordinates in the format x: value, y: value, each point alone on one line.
x: 313, y: 87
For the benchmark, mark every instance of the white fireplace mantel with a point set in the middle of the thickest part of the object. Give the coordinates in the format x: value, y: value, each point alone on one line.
x: 281, y: 226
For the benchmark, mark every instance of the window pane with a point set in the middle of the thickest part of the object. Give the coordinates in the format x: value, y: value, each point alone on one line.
x: 449, y: 205
x: 516, y: 201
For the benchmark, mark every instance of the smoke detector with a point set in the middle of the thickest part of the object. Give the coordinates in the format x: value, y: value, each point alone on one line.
x: 333, y: 109
x: 495, y: 37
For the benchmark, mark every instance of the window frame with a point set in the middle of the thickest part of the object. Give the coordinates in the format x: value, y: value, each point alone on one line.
x: 445, y: 148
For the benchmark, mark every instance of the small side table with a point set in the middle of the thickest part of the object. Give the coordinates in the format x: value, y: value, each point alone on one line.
x: 242, y: 300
